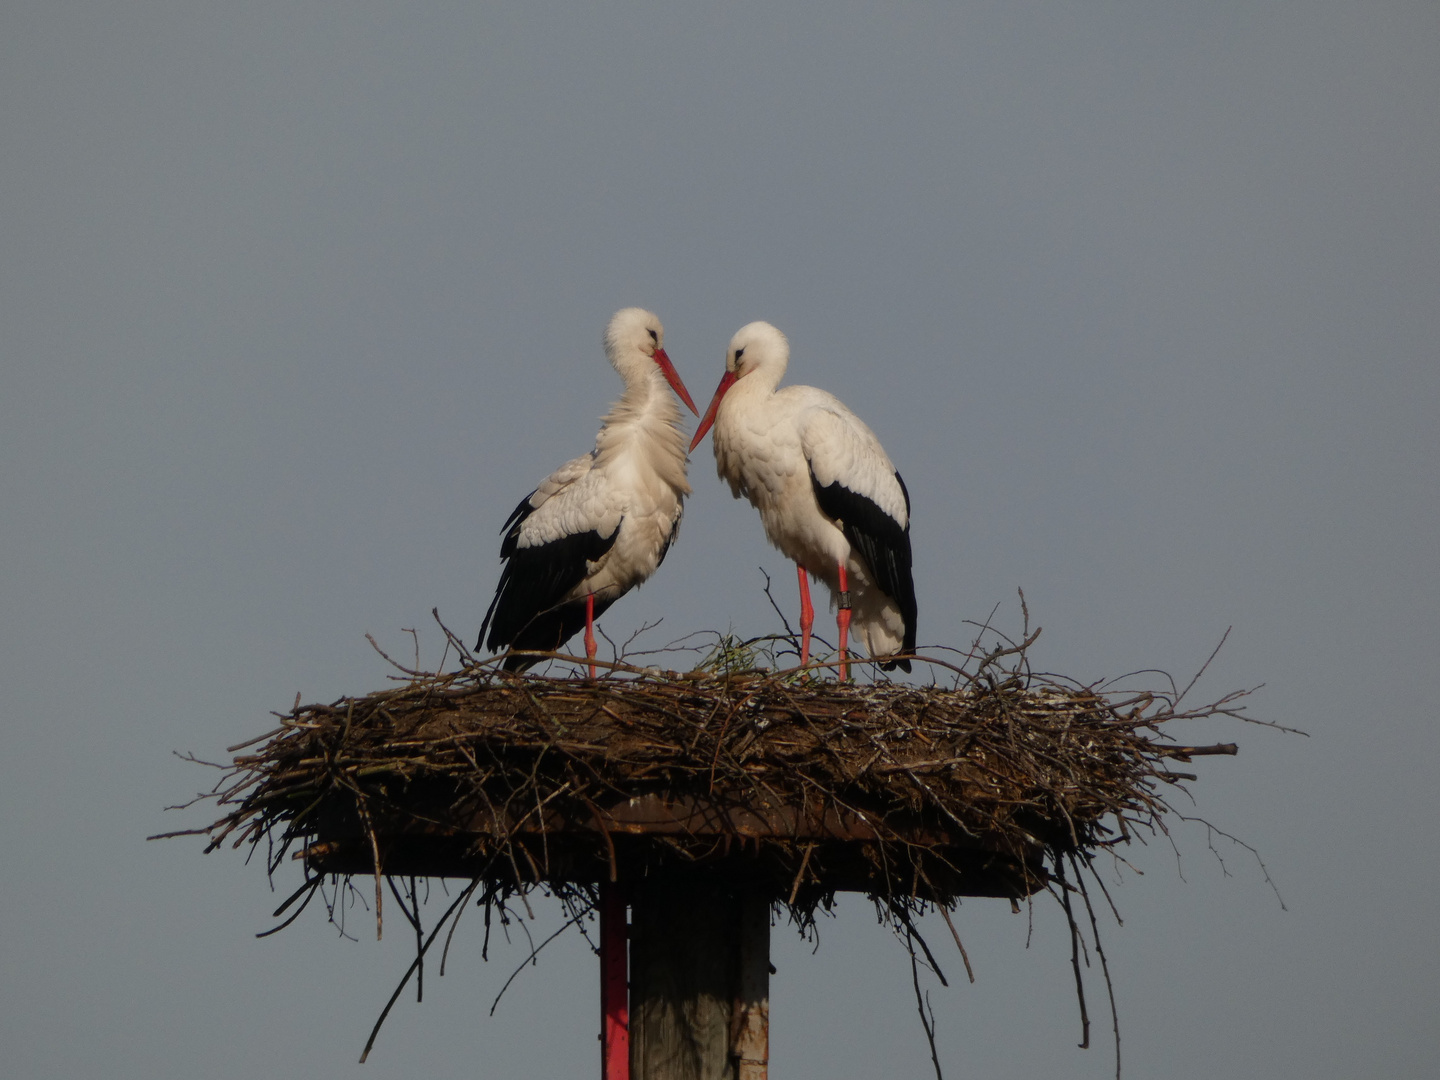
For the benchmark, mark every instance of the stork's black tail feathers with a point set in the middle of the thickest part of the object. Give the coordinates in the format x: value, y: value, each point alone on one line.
x: 883, y: 543
x: 549, y: 630
x: 528, y: 612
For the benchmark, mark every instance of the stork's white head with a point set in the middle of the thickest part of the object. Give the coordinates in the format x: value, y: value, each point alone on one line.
x: 758, y: 351
x: 634, y: 341
x: 756, y: 347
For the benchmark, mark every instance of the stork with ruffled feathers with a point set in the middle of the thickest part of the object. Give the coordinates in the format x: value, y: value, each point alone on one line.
x: 827, y: 493
x: 601, y: 524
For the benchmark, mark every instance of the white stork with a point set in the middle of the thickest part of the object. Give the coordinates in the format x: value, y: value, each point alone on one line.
x: 828, y: 496
x: 599, y: 525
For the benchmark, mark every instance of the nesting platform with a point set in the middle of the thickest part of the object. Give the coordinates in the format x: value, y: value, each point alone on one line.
x: 797, y: 785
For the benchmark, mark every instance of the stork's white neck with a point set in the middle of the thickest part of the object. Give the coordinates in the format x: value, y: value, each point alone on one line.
x: 645, y: 423
x: 647, y: 400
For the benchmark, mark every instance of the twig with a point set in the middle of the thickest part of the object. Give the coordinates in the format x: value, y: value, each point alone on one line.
x: 1100, y: 952
x: 945, y: 911
x: 800, y: 874
x: 534, y: 952
x: 414, y: 964
x: 922, y: 1006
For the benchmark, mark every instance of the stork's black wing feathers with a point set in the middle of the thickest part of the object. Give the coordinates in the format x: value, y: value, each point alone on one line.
x: 882, y: 542
x: 906, y: 492
x: 511, y: 529
x: 526, y: 612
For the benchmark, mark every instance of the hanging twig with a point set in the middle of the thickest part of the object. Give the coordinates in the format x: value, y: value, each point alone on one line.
x: 1100, y: 952
x: 534, y: 953
x: 922, y: 1006
x: 414, y: 964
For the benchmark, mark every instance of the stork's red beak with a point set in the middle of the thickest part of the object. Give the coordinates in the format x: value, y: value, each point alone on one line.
x: 673, y: 378
x: 708, y: 420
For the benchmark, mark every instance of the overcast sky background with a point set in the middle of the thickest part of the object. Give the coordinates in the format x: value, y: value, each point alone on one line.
x: 297, y: 300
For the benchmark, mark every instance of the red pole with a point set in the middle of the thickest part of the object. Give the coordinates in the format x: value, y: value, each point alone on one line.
x: 614, y: 985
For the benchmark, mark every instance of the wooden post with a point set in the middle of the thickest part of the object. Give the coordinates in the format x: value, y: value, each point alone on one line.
x: 699, y: 984
x: 751, y: 1019
x: 614, y: 990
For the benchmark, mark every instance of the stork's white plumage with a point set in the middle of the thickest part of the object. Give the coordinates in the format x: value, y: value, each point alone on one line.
x: 601, y: 524
x: 828, y: 496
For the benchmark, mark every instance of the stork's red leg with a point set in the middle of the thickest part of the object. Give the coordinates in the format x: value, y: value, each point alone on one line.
x: 614, y: 989
x: 590, y: 631
x: 842, y: 619
x: 807, y: 615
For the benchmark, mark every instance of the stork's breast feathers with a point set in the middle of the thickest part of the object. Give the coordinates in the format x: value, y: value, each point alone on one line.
x: 759, y: 456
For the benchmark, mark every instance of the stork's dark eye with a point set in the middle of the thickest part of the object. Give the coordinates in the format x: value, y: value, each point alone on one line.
x: 739, y: 353
x: 654, y: 336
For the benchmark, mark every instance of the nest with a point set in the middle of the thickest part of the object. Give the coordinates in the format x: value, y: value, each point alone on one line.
x: 803, y: 785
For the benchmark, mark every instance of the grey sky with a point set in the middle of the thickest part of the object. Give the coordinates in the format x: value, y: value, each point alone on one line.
x: 298, y: 299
